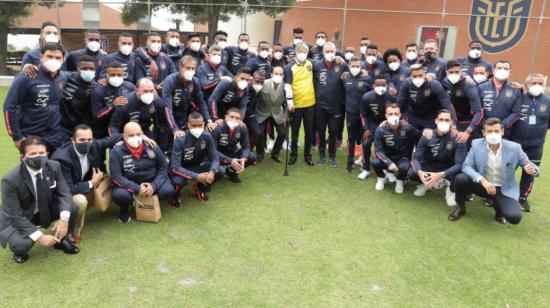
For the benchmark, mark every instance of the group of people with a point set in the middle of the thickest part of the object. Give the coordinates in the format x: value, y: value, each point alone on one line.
x: 175, y: 113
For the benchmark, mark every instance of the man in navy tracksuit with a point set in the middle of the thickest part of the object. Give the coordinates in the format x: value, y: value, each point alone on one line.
x: 261, y: 63
x: 530, y: 130
x: 237, y: 56
x: 329, y: 97
x: 233, y: 145
x: 193, y: 47
x: 211, y: 72
x: 105, y: 99
x: 436, y: 161
x: 356, y: 85
x: 372, y: 63
x: 164, y: 64
x: 465, y: 100
x: 49, y: 33
x: 499, y: 98
x: 421, y: 99
x: 372, y: 111
x: 397, y: 72
x: 234, y: 93
x: 434, y: 65
x: 137, y: 169
x: 93, y: 45
x: 278, y: 58
x: 124, y: 56
x: 195, y: 158
x: 474, y: 59
x: 173, y: 48
x: 31, y: 106
x: 393, y: 145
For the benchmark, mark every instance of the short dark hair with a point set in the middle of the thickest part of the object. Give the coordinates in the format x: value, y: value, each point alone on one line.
x: 411, y: 45
x: 233, y: 109
x: 380, y: 77
x: 218, y: 33
x: 192, y: 35
x: 148, y: 35
x: 504, y: 62
x: 298, y: 30
x: 372, y: 46
x: 474, y: 42
x: 172, y: 30
x: 80, y: 127
x: 392, y: 52
x: 259, y: 73
x: 393, y: 105
x: 85, y: 58
x: 195, y: 115
x: 125, y: 34
x: 244, y: 70
x: 48, y: 24
x: 262, y: 42
x: 31, y: 140
x: 355, y: 59
x: 243, y: 34
x: 114, y: 64
x: 321, y: 32
x: 91, y: 31
x: 52, y: 47
x: 452, y: 63
x: 481, y: 65
x: 491, y: 122
x: 364, y: 38
x: 443, y: 111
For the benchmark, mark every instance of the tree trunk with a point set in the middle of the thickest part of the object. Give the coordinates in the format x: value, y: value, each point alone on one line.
x: 3, y: 50
x: 213, y: 18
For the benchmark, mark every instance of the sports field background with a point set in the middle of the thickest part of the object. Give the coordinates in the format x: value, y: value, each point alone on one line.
x: 317, y: 238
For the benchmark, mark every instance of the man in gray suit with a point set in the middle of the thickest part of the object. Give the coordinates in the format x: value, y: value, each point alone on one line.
x: 34, y: 195
x: 270, y: 110
x: 489, y: 172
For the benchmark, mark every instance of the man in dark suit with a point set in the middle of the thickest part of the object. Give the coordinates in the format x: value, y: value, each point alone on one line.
x: 35, y: 195
x: 83, y: 165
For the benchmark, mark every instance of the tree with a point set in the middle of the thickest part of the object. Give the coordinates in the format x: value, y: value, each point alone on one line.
x: 205, y: 11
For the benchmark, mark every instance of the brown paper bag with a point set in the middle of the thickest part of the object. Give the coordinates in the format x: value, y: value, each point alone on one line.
x: 147, y: 209
x: 103, y: 195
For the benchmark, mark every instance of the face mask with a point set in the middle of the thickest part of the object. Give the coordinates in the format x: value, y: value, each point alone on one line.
x: 134, y: 141
x: 371, y: 59
x: 380, y: 90
x: 232, y: 124
x: 155, y: 47
x: 243, y: 46
x: 394, y: 66
x: 329, y: 56
x: 493, y: 138
x: 418, y: 82
x: 216, y: 59
x: 443, y: 127
x: 188, y: 75
x: 429, y: 55
x: 93, y: 46
x: 116, y: 81
x: 363, y: 49
x: 174, y: 41
x: 242, y: 84
x: 301, y: 57
x: 412, y: 55
x: 196, y: 132
x: 147, y: 98
x: 222, y: 44
x: 535, y: 90
x: 348, y: 55
x: 277, y: 79
x: 297, y: 41
x: 355, y: 71
x: 393, y: 120
x: 264, y: 54
x: 83, y: 148
x: 474, y: 53
x: 87, y: 75
x: 479, y: 78
x: 320, y: 42
x: 126, y: 49
x: 278, y: 55
x: 453, y: 78
x: 195, y: 46
x: 36, y: 162
x: 502, y: 75
x: 257, y: 87
x: 51, y: 38
x: 52, y: 65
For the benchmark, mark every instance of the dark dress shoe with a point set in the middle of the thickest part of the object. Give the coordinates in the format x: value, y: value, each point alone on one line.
x: 233, y: 176
x: 276, y: 158
x: 293, y: 159
x: 501, y: 220
x: 259, y: 159
x: 456, y: 214
x: 67, y: 246
x: 176, y: 201
x: 524, y: 205
x: 350, y: 167
x: 309, y: 161
x: 20, y: 258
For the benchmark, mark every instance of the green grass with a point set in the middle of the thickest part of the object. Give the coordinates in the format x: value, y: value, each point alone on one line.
x: 317, y: 238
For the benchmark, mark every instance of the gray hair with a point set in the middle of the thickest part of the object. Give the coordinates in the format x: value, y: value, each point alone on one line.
x: 533, y: 75
x: 214, y: 48
x: 301, y: 45
x: 329, y: 44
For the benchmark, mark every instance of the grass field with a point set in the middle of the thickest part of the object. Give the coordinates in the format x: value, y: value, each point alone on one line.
x: 316, y: 238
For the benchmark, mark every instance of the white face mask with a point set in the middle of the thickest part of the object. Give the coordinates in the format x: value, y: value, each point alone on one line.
x: 93, y: 46
x: 222, y: 44
x: 363, y: 49
x: 264, y: 54
x: 502, y: 74
x: 301, y: 57
x: 453, y: 78
x: 297, y: 41
x: 87, y: 75
x: 418, y: 82
x: 155, y: 47
x: 147, y: 98
x: 188, y: 75
x: 216, y: 59
x: 232, y: 124
x: 474, y: 53
x: 116, y: 81
x: 277, y: 79
x: 355, y: 71
x: 242, y: 84
x: 412, y: 55
x: 243, y: 45
x: 174, y: 41
x: 126, y: 49
x: 393, y: 120
x: 348, y: 55
x: 52, y: 65
x: 134, y: 141
x: 320, y: 42
x: 196, y: 132
x: 443, y: 127
x: 329, y: 56
x: 371, y: 59
x: 257, y: 87
x: 493, y: 138
x: 195, y: 46
x: 380, y: 90
x: 278, y: 55
x: 394, y: 66
x: 51, y: 38
x: 479, y: 78
x: 536, y: 90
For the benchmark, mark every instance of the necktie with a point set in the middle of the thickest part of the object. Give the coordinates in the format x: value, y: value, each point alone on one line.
x: 42, y: 198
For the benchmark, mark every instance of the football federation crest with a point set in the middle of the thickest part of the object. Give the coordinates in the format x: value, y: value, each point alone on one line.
x: 499, y: 24
x: 543, y: 107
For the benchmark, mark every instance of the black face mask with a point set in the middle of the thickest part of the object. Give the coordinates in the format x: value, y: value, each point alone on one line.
x: 430, y: 56
x: 36, y: 162
x: 83, y: 148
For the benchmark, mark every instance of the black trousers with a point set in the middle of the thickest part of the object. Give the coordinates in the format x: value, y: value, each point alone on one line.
x: 281, y: 136
x: 504, y: 206
x: 332, y: 119
x: 307, y: 116
x: 355, y: 132
x: 534, y: 153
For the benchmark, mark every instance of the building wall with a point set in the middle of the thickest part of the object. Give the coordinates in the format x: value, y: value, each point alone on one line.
x: 259, y: 26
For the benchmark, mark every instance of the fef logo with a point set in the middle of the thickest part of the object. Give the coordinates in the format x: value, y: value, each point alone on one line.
x: 499, y: 24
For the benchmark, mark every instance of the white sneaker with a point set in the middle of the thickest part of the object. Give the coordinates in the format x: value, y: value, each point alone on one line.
x: 359, y: 161
x: 390, y: 176
x: 450, y: 197
x: 270, y: 146
x: 363, y: 175
x: 421, y: 190
x: 380, y: 183
x: 399, y: 186
x: 286, y: 146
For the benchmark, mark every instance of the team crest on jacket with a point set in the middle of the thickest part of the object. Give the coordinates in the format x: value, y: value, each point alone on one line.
x: 499, y: 24
x: 458, y: 93
x: 402, y: 77
x: 437, y: 68
x: 360, y: 84
x: 238, y: 135
x: 150, y: 153
x: 403, y: 133
x: 508, y: 93
x: 427, y: 92
x: 449, y: 145
x: 60, y: 85
x: 162, y: 65
x: 337, y: 69
x: 151, y: 109
x: 543, y: 107
x: 203, y: 144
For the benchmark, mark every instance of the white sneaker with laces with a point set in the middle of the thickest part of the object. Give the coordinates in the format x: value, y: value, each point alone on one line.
x: 380, y: 183
x: 450, y: 197
x: 270, y: 146
x: 421, y: 190
x: 359, y: 161
x: 390, y: 176
x: 399, y: 186
x: 363, y: 175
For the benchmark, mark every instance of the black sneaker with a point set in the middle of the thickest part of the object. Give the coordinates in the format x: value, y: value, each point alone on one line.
x: 233, y: 176
x: 176, y: 201
x: 351, y: 167
x: 524, y: 204
x: 321, y: 160
x: 22, y: 258
x: 489, y: 202
x: 293, y: 159
x: 333, y: 162
x: 124, y: 216
x: 501, y: 220
x: 309, y: 161
x: 201, y: 195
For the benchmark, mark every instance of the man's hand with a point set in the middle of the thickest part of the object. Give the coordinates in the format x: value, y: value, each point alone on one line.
x: 435, y: 177
x: 345, y: 75
x: 102, y: 82
x: 219, y: 122
x: 392, y: 167
x: 120, y: 101
x: 149, y: 190
x: 454, y: 132
x: 383, y: 123
x: 290, y: 107
x: 47, y: 240
x: 61, y: 229
x: 431, y: 76
x: 148, y: 141
x: 427, y: 133
x: 489, y: 187
x: 18, y: 143
x: 529, y: 168
x: 142, y: 189
x: 463, y: 137
x: 366, y: 134
x: 29, y: 70
x: 393, y: 91
x: 203, y: 177
x: 516, y: 85
x: 339, y: 60
x: 424, y: 177
x: 210, y: 126
x: 210, y: 177
x: 97, y: 177
x: 154, y: 69
x: 226, y: 78
x: 179, y: 133
x: 236, y: 165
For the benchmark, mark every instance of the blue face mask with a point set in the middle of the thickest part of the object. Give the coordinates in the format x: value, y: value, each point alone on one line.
x: 87, y: 75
